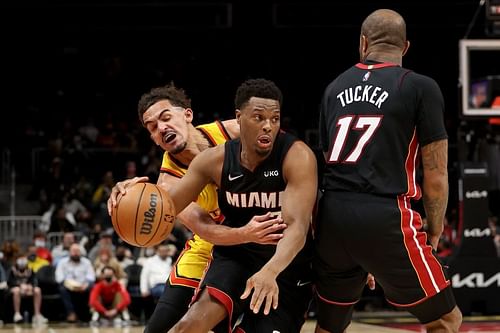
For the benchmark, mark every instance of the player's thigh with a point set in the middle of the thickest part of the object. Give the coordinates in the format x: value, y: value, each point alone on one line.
x: 337, y: 276
x: 289, y: 317
x: 401, y: 259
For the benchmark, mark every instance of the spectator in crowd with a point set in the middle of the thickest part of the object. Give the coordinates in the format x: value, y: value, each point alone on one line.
x: 124, y: 256
x: 144, y: 254
x: 155, y: 271
x: 34, y: 261
x: 105, y: 242
x: 109, y: 298
x: 107, y: 259
x: 22, y: 283
x: 42, y: 250
x: 102, y: 221
x: 3, y: 289
x: 62, y: 250
x: 10, y: 250
x: 75, y: 276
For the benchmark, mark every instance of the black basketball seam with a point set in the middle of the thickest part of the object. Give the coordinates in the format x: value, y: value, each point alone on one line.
x: 137, y: 213
x: 161, y: 215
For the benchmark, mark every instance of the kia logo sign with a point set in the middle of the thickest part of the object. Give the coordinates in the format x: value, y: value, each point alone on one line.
x: 475, y: 280
x: 476, y: 194
x: 476, y: 232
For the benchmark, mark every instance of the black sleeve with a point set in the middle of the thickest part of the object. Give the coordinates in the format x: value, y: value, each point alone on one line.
x: 430, y: 109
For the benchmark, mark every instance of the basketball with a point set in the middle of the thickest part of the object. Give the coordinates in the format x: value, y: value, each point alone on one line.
x: 144, y: 216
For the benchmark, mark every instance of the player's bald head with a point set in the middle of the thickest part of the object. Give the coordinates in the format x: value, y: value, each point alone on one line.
x: 384, y: 27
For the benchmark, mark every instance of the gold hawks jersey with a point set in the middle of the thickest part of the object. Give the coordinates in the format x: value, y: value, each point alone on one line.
x: 192, y: 262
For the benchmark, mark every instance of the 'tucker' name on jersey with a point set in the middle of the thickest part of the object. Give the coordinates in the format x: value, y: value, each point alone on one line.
x: 254, y: 199
x: 363, y: 93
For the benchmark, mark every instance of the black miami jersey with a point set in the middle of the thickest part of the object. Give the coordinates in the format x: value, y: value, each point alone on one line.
x: 244, y: 193
x: 374, y: 118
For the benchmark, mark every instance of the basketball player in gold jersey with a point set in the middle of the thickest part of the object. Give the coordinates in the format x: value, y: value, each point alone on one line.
x: 167, y: 115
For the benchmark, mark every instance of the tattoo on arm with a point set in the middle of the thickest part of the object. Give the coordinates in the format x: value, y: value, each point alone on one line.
x: 435, y: 189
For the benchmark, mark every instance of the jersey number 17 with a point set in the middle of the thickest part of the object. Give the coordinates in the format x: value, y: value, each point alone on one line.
x: 368, y: 124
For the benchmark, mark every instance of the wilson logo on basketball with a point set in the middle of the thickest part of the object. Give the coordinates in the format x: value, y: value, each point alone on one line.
x: 149, y: 215
x: 168, y: 218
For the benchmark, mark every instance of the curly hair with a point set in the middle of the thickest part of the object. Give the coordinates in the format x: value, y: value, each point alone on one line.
x: 176, y: 96
x: 257, y: 88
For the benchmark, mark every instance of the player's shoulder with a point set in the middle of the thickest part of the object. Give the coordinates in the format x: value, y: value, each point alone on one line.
x: 297, y: 146
x: 211, y: 154
x: 220, y: 130
x: 419, y: 80
x: 232, y: 128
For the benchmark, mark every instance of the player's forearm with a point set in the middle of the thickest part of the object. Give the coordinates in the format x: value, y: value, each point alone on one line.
x: 435, y: 186
x: 205, y: 227
x: 294, y: 238
x: 435, y: 200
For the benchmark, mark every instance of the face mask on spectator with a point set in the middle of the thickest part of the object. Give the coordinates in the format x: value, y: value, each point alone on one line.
x: 75, y: 258
x: 39, y: 243
x: 108, y: 279
x: 32, y: 257
x: 22, y: 263
x: 120, y: 256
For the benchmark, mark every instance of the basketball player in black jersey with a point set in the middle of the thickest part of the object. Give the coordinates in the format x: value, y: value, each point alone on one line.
x: 167, y: 109
x: 264, y: 171
x: 376, y: 119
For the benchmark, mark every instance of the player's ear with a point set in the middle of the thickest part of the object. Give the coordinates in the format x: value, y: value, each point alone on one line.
x: 188, y: 114
x: 407, y: 46
x: 238, y: 115
x: 363, y: 46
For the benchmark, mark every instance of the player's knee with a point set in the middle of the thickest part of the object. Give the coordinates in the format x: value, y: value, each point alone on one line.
x: 333, y: 318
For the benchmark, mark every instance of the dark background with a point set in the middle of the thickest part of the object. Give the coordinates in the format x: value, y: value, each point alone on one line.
x: 71, y: 59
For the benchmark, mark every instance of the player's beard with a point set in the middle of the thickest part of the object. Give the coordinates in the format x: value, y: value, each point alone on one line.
x: 179, y: 148
x: 263, y: 152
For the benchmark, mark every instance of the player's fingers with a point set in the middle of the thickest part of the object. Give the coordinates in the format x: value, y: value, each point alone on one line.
x: 248, y: 290
x: 272, y: 238
x: 110, y: 206
x: 257, y: 300
x: 370, y: 281
x: 269, y: 303
x: 260, y: 218
x: 273, y: 224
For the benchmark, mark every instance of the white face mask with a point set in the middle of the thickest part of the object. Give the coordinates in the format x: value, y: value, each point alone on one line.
x: 39, y: 243
x: 22, y: 262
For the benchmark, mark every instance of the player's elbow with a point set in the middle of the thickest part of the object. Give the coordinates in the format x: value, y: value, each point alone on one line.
x: 436, y: 186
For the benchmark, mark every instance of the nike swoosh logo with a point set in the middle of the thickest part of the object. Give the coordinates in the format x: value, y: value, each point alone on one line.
x: 235, y: 177
x: 300, y: 283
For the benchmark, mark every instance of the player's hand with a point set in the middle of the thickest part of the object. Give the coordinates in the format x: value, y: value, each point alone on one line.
x: 370, y: 281
x: 121, y: 189
x: 264, y: 229
x: 265, y: 291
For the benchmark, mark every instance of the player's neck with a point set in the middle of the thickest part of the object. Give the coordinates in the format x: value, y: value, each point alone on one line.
x: 251, y: 160
x: 196, y: 143
x: 385, y: 57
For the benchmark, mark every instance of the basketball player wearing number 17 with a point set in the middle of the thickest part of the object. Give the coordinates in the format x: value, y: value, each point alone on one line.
x: 167, y: 115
